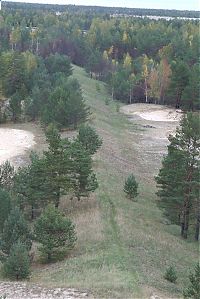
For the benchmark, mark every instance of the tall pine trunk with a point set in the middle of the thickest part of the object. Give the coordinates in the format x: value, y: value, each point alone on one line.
x: 197, y: 228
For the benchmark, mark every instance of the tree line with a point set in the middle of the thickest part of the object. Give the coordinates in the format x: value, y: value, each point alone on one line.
x: 141, y: 60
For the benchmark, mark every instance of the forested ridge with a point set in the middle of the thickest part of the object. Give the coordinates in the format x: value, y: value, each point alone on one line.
x: 89, y: 200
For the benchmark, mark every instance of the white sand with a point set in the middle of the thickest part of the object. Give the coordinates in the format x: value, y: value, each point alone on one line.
x: 14, y: 142
x: 160, y: 115
x: 152, y: 112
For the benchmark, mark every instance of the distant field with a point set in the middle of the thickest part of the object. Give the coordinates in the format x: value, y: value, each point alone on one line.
x: 123, y: 247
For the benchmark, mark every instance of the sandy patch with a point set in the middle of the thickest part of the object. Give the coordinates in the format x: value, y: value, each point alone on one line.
x: 14, y: 142
x: 153, y: 112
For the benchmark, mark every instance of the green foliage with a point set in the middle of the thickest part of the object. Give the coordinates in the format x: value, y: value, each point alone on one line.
x: 107, y: 101
x: 131, y: 187
x: 83, y: 179
x: 170, y: 274
x: 179, y: 176
x: 90, y: 140
x: 5, y: 207
x: 56, y: 63
x: 191, y: 94
x: 66, y: 107
x: 193, y: 290
x: 29, y: 185
x: 15, y: 229
x: 179, y: 80
x: 98, y: 87
x: 55, y: 232
x: 17, y: 265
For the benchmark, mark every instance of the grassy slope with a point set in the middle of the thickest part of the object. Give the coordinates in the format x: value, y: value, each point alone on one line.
x: 123, y: 247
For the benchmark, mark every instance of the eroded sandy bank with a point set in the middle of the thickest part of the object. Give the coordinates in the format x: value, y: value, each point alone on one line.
x: 14, y: 142
x: 153, y: 112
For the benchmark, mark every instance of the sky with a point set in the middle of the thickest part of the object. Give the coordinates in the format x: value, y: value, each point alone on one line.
x: 164, y: 4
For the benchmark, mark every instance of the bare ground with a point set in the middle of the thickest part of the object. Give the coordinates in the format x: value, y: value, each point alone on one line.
x: 25, y: 291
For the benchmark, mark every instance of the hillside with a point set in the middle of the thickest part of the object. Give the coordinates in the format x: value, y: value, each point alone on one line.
x: 123, y: 247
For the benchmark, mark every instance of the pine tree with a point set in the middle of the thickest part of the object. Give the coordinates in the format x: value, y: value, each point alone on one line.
x: 15, y: 229
x: 178, y: 179
x: 179, y: 81
x: 193, y: 290
x: 170, y: 274
x: 83, y: 179
x: 55, y: 232
x: 90, y: 140
x: 131, y: 187
x: 29, y: 184
x: 5, y: 207
x: 17, y: 265
x: 57, y: 165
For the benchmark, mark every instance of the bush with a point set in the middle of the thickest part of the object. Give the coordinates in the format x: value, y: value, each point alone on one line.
x: 131, y: 187
x: 90, y: 140
x: 107, y: 101
x: 170, y: 274
x: 193, y: 290
x: 55, y: 232
x: 17, y: 265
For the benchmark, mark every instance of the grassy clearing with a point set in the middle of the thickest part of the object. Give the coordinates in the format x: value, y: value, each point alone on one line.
x: 123, y: 247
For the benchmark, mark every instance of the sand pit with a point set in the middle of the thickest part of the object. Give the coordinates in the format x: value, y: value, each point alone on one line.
x: 14, y: 142
x: 153, y: 112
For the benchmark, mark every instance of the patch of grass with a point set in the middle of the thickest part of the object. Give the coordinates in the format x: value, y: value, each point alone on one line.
x: 123, y: 247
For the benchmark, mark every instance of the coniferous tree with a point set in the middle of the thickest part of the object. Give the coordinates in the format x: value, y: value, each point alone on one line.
x: 29, y: 185
x: 193, y: 290
x: 83, y: 179
x: 15, y: 229
x: 131, y: 187
x: 55, y: 232
x: 5, y: 207
x: 90, y: 140
x: 178, y: 179
x: 17, y: 265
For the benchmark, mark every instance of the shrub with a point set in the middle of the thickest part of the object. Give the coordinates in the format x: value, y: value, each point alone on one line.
x: 170, y: 274
x: 98, y: 87
x: 17, y: 265
x: 131, y: 187
x: 107, y: 101
x: 117, y: 106
x: 90, y: 140
x: 193, y: 290
x: 55, y: 232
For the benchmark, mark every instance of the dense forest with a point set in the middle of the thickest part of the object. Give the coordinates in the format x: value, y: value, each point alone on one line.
x: 141, y: 60
x: 103, y: 10
x: 136, y: 60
